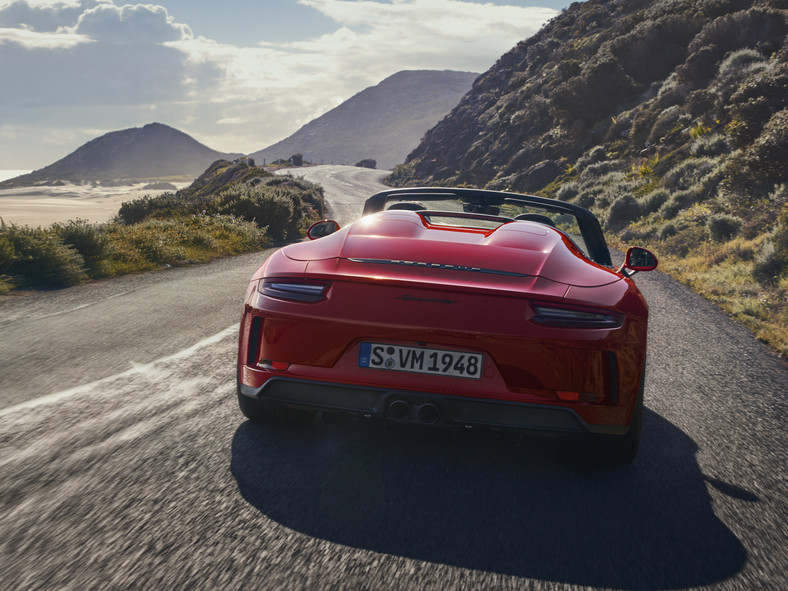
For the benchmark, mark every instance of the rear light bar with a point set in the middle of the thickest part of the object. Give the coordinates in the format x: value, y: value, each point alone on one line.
x: 570, y: 317
x: 297, y: 290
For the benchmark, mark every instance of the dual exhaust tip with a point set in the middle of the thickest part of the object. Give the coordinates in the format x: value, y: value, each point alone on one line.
x: 400, y: 410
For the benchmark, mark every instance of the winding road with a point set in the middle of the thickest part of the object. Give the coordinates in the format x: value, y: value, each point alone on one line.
x: 125, y: 463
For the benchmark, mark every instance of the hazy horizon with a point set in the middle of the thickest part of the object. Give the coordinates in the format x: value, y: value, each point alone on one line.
x: 11, y: 173
x: 88, y: 67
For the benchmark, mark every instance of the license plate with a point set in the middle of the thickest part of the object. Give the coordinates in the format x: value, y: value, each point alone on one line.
x: 420, y: 360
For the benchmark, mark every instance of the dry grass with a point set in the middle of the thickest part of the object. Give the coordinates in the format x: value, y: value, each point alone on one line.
x: 67, y: 254
x: 724, y: 274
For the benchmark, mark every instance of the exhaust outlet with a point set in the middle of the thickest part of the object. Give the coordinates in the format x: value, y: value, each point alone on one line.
x: 428, y: 413
x: 399, y: 410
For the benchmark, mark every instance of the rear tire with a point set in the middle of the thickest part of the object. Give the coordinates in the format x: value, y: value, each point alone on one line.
x: 624, y: 448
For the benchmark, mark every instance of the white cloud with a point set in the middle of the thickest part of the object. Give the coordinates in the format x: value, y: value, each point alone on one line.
x: 96, y: 65
x: 44, y: 15
x: 30, y: 39
x: 132, y: 23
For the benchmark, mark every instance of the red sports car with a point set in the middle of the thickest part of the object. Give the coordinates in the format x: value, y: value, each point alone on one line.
x: 452, y: 306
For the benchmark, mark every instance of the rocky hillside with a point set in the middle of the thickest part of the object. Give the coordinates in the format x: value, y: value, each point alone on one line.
x: 382, y: 123
x: 154, y: 151
x: 667, y: 118
x: 635, y: 77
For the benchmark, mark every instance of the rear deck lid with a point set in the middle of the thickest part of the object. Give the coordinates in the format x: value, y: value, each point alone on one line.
x: 402, y: 243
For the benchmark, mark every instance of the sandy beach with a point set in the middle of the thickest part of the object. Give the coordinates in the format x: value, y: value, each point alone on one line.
x: 43, y: 206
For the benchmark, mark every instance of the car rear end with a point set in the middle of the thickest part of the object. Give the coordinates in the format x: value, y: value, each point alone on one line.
x: 442, y: 345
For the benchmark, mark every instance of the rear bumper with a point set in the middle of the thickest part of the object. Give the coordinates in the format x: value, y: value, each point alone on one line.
x: 425, y: 407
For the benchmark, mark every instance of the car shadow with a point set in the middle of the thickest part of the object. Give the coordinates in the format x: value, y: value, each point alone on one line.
x: 515, y: 505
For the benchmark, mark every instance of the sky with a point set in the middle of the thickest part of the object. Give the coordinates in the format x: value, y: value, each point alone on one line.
x: 237, y: 76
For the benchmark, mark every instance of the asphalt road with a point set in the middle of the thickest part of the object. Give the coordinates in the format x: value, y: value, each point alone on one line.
x: 125, y: 464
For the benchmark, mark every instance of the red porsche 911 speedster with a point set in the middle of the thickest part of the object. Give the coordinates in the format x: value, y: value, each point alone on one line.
x: 455, y: 307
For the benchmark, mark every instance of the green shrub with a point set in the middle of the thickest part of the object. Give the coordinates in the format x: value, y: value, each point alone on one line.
x: 592, y: 156
x: 284, y: 204
x: 722, y: 227
x: 712, y: 145
x: 689, y: 172
x: 587, y: 198
x: 686, y: 239
x: 156, y: 245
x: 772, y: 261
x: 133, y: 212
x: 767, y: 157
x: 164, y: 205
x: 667, y: 231
x: 740, y: 59
x: 679, y: 201
x: 701, y: 104
x: 668, y: 123
x: 270, y: 208
x: 755, y: 102
x: 89, y: 239
x: 567, y: 192
x: 7, y: 253
x: 622, y: 212
x: 653, y: 201
x: 768, y: 265
x: 42, y: 259
x: 598, y: 169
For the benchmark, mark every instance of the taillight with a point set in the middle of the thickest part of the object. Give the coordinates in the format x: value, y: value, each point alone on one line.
x: 571, y: 317
x: 297, y: 290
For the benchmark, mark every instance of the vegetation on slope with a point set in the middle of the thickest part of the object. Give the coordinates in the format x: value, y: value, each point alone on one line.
x: 667, y: 118
x: 234, y: 207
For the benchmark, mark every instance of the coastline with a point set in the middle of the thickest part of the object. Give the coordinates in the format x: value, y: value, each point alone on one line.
x: 44, y: 206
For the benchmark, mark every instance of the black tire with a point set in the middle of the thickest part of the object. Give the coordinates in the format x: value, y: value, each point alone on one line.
x: 624, y: 448
x: 268, y: 411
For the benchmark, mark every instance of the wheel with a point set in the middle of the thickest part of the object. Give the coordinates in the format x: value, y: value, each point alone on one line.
x: 624, y: 448
x: 268, y: 411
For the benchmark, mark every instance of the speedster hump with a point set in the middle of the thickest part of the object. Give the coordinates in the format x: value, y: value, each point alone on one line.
x: 404, y: 238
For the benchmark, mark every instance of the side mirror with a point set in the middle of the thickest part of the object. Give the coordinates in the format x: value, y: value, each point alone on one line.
x: 321, y: 229
x: 639, y: 259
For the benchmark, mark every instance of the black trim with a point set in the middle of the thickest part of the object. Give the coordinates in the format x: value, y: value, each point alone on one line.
x: 612, y: 362
x: 452, y: 410
x: 255, y: 334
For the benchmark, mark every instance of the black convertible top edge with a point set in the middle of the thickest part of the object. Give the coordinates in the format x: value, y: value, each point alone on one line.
x: 587, y: 221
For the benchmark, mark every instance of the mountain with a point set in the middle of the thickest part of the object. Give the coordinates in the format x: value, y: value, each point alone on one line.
x: 382, y: 122
x: 154, y: 151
